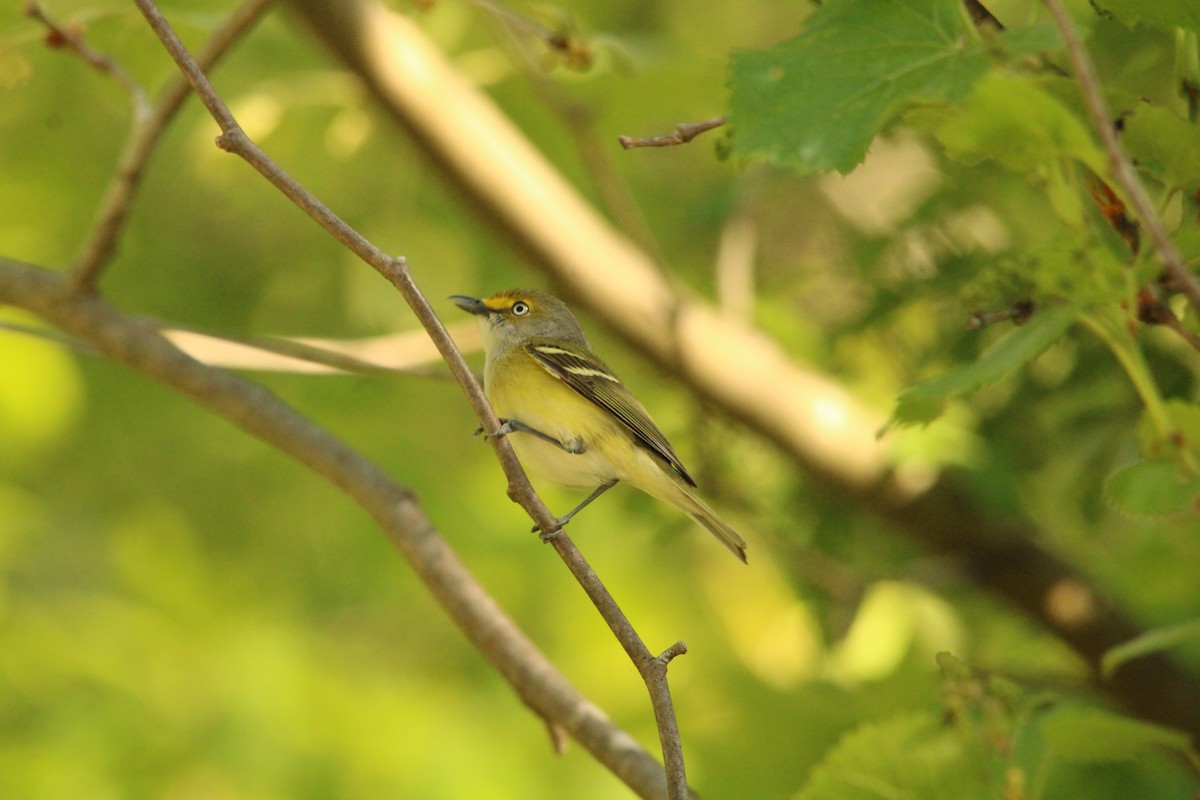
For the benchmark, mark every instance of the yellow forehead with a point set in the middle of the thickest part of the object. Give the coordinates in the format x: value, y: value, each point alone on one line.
x: 503, y: 301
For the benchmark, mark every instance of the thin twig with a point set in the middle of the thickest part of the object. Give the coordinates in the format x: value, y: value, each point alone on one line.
x: 72, y: 39
x: 1019, y: 312
x: 146, y: 131
x: 684, y: 132
x: 1153, y: 309
x: 1118, y: 160
x: 233, y: 139
x: 671, y: 653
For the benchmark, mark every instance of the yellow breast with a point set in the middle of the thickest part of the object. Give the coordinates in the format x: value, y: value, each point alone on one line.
x: 520, y: 389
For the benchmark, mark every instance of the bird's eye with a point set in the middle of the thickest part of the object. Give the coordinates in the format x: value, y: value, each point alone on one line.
x: 520, y: 308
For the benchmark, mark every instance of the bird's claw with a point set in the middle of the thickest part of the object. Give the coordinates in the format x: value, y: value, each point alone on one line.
x: 575, y: 447
x: 506, y: 427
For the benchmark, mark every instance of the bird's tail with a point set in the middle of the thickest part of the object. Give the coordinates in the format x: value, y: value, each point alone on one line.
x: 698, y: 510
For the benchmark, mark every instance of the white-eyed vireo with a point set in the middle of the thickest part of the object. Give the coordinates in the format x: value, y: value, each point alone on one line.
x: 577, y: 423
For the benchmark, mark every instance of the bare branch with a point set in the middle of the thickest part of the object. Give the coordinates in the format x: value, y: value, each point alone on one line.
x: 654, y: 673
x: 147, y: 128
x: 233, y: 139
x: 671, y: 653
x: 72, y: 39
x: 1118, y: 160
x: 684, y: 132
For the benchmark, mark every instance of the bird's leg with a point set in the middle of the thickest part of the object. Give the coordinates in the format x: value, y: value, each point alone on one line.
x: 574, y: 447
x: 601, y: 489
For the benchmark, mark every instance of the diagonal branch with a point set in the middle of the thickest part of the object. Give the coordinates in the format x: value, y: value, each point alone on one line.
x: 233, y: 139
x: 261, y: 414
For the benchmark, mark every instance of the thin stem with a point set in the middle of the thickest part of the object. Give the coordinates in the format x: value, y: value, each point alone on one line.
x: 684, y: 132
x: 72, y: 39
x: 1115, y: 336
x: 146, y: 132
x: 1119, y: 162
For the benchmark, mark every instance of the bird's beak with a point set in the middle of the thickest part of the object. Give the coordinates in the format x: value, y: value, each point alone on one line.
x: 471, y: 305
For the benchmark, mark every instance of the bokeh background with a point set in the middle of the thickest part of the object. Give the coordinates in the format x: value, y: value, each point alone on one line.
x: 185, y: 613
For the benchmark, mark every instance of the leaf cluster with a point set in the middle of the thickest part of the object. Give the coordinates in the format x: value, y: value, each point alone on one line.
x: 996, y: 105
x: 992, y: 738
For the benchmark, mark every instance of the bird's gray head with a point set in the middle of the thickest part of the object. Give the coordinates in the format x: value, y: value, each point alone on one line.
x: 513, y: 316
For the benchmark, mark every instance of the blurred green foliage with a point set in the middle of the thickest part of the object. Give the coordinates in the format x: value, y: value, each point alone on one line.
x: 186, y: 614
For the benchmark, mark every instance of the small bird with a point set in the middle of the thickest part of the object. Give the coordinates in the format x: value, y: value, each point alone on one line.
x: 578, y: 425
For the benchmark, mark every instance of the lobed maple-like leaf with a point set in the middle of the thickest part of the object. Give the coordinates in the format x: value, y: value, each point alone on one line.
x: 816, y: 101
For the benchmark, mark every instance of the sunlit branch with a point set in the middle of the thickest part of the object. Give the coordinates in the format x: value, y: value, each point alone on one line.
x: 408, y: 353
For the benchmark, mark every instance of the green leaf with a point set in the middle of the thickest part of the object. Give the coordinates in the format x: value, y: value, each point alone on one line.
x: 923, y: 402
x: 1185, y: 430
x: 908, y: 756
x: 1011, y: 119
x: 1163, y: 14
x: 1092, y: 735
x: 1187, y: 240
x: 1152, y: 641
x: 1156, y: 487
x: 815, y: 102
x: 1165, y: 145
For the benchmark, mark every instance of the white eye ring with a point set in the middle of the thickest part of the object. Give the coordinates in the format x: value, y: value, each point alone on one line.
x: 520, y: 308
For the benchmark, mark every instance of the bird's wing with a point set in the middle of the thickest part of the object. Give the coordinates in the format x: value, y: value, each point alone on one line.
x: 575, y: 366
